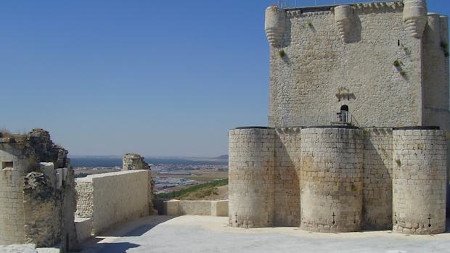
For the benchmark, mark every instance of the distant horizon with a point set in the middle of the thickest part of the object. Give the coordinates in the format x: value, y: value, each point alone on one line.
x: 145, y: 156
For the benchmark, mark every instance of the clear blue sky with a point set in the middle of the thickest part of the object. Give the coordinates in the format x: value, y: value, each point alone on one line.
x: 157, y: 77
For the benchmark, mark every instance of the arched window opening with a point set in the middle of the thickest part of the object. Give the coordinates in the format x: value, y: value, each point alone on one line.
x: 344, y: 115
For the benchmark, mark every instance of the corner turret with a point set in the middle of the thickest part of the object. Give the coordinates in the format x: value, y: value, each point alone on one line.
x: 343, y: 16
x: 275, y: 25
x: 415, y: 17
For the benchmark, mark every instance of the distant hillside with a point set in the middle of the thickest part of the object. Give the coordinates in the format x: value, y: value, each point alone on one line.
x: 222, y: 157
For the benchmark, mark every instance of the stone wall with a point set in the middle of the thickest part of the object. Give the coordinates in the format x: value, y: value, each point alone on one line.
x: 346, y: 176
x: 113, y: 198
x: 331, y: 179
x: 36, y: 191
x: 11, y: 202
x: 419, y: 181
x: 329, y: 60
x: 377, y: 208
x: 134, y: 162
x: 196, y: 207
x: 251, y: 177
x: 286, y: 180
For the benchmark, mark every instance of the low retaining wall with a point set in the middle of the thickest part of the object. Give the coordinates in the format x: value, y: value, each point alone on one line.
x: 196, y: 207
x: 113, y: 198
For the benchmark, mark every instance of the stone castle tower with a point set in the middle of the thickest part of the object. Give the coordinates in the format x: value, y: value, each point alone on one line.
x: 359, y: 122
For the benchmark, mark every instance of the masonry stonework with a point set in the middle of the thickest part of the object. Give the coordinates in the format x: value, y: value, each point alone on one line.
x: 377, y: 192
x: 112, y: 198
x: 286, y: 181
x: 331, y: 179
x: 419, y: 181
x: 37, y: 198
x: 251, y: 177
x: 345, y: 81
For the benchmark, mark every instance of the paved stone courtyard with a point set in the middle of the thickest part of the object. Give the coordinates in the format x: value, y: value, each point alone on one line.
x: 211, y: 234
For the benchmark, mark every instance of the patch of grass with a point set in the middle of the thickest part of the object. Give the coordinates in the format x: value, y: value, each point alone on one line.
x: 194, y: 192
x: 282, y: 53
x: 399, y: 163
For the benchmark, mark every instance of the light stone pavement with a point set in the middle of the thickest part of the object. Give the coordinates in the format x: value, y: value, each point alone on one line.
x: 211, y: 234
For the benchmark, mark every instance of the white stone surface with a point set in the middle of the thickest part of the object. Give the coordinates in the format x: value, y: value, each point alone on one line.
x: 205, y: 234
x: 112, y: 198
x: 83, y: 227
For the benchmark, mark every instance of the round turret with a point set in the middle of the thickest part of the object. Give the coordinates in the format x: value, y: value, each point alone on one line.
x: 331, y: 179
x: 415, y: 17
x: 343, y: 16
x: 419, y: 181
x: 251, y: 177
x: 275, y: 25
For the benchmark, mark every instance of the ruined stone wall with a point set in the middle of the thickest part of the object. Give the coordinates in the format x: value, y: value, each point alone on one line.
x: 419, y: 181
x: 42, y: 211
x: 113, y: 198
x: 11, y: 199
x: 331, y: 179
x: 286, y: 179
x: 377, y: 203
x: 132, y: 161
x: 35, y: 191
x: 251, y: 177
x: 324, y: 61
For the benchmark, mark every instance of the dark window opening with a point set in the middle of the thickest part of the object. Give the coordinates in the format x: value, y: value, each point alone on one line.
x: 7, y: 165
x: 344, y: 115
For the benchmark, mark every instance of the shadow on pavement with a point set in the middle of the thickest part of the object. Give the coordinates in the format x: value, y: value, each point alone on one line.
x: 147, y: 227
x: 136, y: 227
x: 109, y: 241
x: 119, y: 247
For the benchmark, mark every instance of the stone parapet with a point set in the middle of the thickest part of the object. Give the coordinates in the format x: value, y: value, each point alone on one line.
x: 113, y: 198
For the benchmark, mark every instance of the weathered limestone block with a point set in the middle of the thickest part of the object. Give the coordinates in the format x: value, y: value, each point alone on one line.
x: 419, y: 181
x: 113, y: 198
x: 377, y: 202
x: 286, y: 179
x: 83, y: 228
x: 331, y: 179
x: 251, y: 177
x: 42, y: 211
x: 134, y: 162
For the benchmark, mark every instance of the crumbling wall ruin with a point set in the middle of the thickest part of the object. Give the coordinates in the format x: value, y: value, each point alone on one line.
x: 38, y: 185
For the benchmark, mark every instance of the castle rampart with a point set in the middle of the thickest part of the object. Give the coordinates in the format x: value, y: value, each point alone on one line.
x: 346, y: 178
